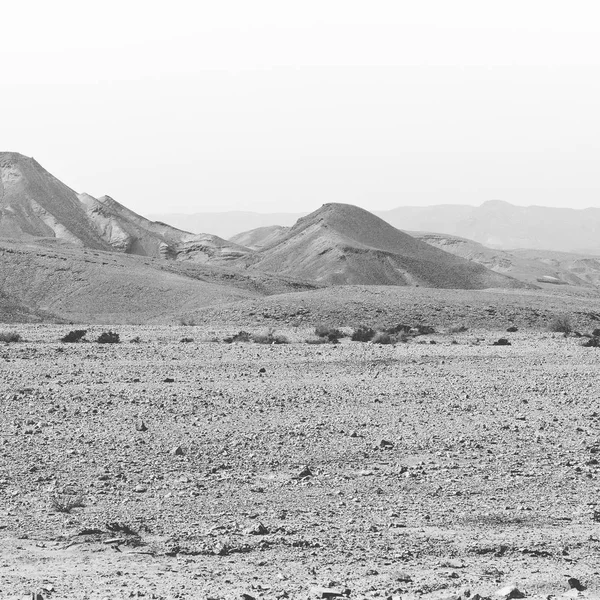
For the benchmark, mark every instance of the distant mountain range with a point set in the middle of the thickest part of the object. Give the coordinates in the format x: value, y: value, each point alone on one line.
x: 71, y: 256
x: 495, y: 224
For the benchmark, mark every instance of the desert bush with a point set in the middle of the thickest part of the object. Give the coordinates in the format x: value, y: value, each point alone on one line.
x: 328, y: 332
x: 512, y: 329
x: 10, y: 336
x: 186, y: 340
x: 240, y: 336
x: 425, y: 329
x: 458, y: 328
x: 363, y: 334
x: 593, y: 342
x: 502, y: 342
x: 187, y: 321
x: 269, y: 338
x: 400, y: 328
x: 136, y: 340
x: 561, y: 324
x: 318, y: 341
x: 108, y: 337
x: 73, y: 336
x: 65, y: 503
x: 383, y: 337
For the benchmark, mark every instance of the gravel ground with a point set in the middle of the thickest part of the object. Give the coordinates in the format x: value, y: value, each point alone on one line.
x: 210, y: 470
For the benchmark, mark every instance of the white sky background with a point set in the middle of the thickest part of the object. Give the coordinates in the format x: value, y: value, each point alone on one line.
x: 284, y: 105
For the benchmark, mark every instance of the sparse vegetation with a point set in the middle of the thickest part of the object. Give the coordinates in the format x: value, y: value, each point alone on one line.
x: 330, y: 333
x: 363, y: 334
x: 502, y: 342
x: 136, y: 340
x: 561, y: 324
x: 186, y: 340
x: 240, y: 336
x: 269, y: 338
x: 593, y: 342
x: 73, y: 336
x: 108, y: 337
x: 65, y: 503
x: 10, y: 337
x: 187, y: 321
x: 458, y: 328
x: 384, y: 337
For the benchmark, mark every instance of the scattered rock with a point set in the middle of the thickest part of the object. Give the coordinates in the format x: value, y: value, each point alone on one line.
x: 509, y: 592
x: 575, y: 584
x: 385, y: 444
x: 257, y: 529
x: 323, y: 592
x: 304, y: 473
x: 140, y: 426
x: 262, y: 370
x: 178, y: 451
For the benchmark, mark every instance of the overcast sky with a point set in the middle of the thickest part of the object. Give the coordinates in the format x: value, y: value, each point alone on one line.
x: 284, y: 105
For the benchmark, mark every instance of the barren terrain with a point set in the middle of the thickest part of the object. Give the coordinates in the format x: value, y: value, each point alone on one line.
x: 210, y: 470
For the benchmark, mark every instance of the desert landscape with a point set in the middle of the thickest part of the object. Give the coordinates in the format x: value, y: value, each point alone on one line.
x: 332, y: 409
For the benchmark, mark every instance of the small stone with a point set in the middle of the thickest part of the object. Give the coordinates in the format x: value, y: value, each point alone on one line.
x: 141, y: 426
x: 169, y: 380
x: 575, y: 584
x: 140, y: 489
x: 262, y: 370
x: 323, y: 592
x: 305, y: 472
x: 257, y: 529
x: 386, y: 444
x: 245, y: 596
x: 508, y: 592
x: 178, y: 451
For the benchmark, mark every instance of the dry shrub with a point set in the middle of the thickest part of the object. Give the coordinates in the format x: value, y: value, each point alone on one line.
x: 10, y: 336
x: 269, y: 338
x: 73, y: 336
x: 65, y: 503
x: 363, y: 334
x: 561, y: 324
x: 108, y: 337
x: 240, y: 336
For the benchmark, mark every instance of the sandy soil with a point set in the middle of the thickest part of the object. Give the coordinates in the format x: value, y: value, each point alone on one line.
x: 209, y: 470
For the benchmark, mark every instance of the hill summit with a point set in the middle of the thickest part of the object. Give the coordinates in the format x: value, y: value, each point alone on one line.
x: 345, y: 244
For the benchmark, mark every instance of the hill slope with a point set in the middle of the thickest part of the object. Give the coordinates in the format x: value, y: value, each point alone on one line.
x: 344, y: 244
x: 258, y: 238
x: 34, y: 204
x: 102, y: 287
x: 533, y: 266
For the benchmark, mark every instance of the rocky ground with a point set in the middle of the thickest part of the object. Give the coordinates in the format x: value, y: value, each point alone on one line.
x: 169, y: 469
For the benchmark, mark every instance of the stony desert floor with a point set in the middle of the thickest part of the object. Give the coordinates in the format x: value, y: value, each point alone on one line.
x: 213, y: 470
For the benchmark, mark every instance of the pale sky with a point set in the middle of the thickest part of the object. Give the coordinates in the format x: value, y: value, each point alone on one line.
x: 284, y: 105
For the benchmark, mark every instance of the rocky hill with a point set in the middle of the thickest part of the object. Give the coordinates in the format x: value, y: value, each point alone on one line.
x: 344, y: 244
x: 532, y: 266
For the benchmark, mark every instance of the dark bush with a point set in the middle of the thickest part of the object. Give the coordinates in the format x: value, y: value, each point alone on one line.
x: 512, y: 329
x: 399, y: 329
x: 363, y: 334
x: 502, y: 342
x: 458, y: 328
x: 383, y: 337
x: 593, y: 342
x: 241, y: 336
x: 561, y: 324
x: 136, y: 340
x: 186, y: 340
x: 425, y: 329
x: 10, y: 336
x: 269, y: 338
x: 596, y: 332
x: 108, y: 337
x: 329, y: 332
x: 73, y: 336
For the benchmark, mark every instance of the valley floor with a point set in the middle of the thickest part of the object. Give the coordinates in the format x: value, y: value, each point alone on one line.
x: 209, y: 470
